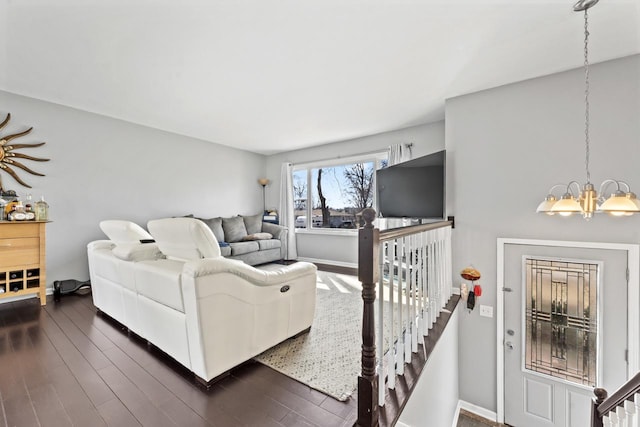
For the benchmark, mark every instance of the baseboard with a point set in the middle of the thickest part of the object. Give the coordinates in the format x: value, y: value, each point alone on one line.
x: 328, y: 262
x: 478, y: 410
x: 456, y: 415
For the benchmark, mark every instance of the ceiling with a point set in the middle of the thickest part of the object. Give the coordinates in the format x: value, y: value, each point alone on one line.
x: 277, y: 75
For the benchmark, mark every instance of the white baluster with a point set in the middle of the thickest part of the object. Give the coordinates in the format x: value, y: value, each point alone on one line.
x: 400, y: 342
x: 391, y: 353
x: 425, y: 284
x: 622, y: 416
x: 407, y: 300
x: 630, y: 408
x: 414, y: 294
x: 391, y: 371
x: 636, y: 404
x: 420, y: 288
x: 380, y: 328
x: 613, y: 418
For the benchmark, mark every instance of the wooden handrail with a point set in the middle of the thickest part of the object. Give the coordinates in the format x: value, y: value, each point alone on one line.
x: 394, y: 233
x: 602, y: 405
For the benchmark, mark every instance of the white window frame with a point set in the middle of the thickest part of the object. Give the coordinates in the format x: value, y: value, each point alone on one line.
x: 375, y: 157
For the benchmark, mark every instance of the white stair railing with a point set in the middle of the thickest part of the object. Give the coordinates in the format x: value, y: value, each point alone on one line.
x: 414, y: 285
x: 621, y: 409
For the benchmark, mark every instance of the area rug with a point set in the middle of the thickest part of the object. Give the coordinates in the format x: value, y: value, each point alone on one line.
x: 328, y: 357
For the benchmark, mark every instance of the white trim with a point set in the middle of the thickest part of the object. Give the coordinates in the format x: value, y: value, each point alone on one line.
x: 328, y: 231
x: 337, y: 161
x: 478, y: 410
x: 456, y: 416
x: 328, y: 262
x: 401, y: 424
x: 633, y: 296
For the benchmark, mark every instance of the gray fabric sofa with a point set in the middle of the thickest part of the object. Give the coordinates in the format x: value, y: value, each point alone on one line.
x: 248, y: 239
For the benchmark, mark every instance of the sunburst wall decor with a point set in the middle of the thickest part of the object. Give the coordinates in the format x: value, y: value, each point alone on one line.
x: 8, y: 161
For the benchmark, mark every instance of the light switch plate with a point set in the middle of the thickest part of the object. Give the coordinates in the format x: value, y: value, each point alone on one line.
x: 486, y: 311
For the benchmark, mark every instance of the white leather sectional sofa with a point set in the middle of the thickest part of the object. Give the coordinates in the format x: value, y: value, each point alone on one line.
x: 208, y: 312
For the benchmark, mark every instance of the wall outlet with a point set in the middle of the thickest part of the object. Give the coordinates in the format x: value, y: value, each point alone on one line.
x: 486, y: 311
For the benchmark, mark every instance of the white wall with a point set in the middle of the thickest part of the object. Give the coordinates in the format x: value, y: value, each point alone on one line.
x: 4, y: 34
x: 434, y: 401
x: 342, y: 249
x: 102, y: 168
x: 507, y: 147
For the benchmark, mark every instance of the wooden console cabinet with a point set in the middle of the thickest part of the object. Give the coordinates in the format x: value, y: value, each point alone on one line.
x: 22, y: 259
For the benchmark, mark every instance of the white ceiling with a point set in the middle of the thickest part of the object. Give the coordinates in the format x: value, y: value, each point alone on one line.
x: 276, y: 75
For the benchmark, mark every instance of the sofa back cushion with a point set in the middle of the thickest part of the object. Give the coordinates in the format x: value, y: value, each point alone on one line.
x: 215, y: 224
x: 122, y: 232
x: 184, y: 238
x: 253, y: 223
x: 234, y: 229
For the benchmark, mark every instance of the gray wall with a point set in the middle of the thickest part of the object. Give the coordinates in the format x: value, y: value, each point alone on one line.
x: 507, y: 146
x: 102, y: 168
x: 342, y: 249
x: 431, y: 405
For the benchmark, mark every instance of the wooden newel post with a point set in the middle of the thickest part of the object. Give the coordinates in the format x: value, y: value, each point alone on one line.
x: 596, y: 417
x: 368, y: 238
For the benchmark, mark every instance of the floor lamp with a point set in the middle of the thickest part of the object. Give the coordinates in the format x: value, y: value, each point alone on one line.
x: 263, y: 182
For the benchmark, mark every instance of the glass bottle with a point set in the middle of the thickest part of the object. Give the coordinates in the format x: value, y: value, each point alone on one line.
x: 42, y: 210
x: 30, y: 215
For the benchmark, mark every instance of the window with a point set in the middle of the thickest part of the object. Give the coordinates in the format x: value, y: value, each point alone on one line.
x: 332, y: 195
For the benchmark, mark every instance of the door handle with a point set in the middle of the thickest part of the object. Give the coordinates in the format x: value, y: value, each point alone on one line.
x: 509, y: 345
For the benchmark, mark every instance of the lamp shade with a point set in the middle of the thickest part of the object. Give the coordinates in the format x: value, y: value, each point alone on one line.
x: 546, y: 205
x: 263, y: 181
x: 620, y: 204
x: 566, y: 206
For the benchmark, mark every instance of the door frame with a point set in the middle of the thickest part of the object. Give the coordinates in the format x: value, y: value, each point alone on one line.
x: 633, y: 297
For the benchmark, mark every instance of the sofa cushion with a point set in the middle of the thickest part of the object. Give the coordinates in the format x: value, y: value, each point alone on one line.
x: 225, y: 250
x: 269, y: 244
x: 215, y: 224
x: 123, y: 231
x: 137, y: 251
x: 257, y: 236
x: 184, y: 238
x: 234, y: 229
x: 253, y: 223
x: 239, y: 248
x: 160, y: 281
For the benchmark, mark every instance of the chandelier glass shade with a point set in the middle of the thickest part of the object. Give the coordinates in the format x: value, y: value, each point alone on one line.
x: 585, y: 200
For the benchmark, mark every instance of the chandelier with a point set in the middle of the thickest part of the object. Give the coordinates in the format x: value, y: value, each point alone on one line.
x: 585, y: 200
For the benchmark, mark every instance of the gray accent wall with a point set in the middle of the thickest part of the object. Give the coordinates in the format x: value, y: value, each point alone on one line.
x: 505, y: 148
x: 103, y: 168
x: 343, y: 249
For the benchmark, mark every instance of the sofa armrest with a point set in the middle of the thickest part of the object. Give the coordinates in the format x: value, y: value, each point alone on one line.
x: 100, y: 244
x: 273, y: 229
x: 279, y: 232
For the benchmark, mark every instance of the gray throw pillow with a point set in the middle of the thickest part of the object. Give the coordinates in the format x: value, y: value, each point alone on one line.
x: 215, y: 224
x: 234, y: 229
x: 253, y: 223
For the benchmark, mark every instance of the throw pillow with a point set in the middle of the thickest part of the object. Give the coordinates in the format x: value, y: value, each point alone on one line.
x: 215, y: 224
x: 253, y: 223
x: 234, y: 229
x: 258, y: 236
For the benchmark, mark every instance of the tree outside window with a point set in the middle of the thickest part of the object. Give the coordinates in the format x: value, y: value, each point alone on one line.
x: 337, y: 195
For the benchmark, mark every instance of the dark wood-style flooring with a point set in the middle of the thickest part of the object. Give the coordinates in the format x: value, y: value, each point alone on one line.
x: 66, y: 365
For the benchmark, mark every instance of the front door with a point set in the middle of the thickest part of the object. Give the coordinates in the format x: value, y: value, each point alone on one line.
x: 565, y: 331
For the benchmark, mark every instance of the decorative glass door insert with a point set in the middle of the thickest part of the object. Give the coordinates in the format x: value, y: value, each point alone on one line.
x: 561, y: 320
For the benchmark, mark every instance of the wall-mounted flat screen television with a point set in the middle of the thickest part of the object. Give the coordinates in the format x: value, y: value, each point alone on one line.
x: 413, y: 189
